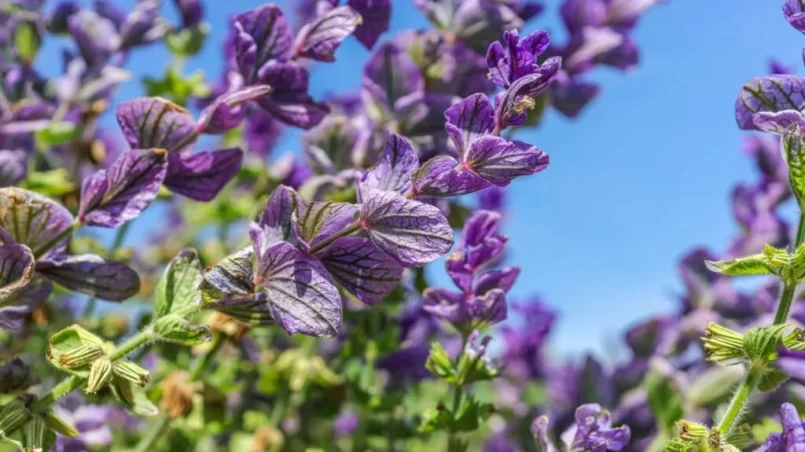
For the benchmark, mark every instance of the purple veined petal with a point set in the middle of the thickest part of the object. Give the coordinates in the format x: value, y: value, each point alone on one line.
x: 376, y: 16
x: 226, y: 112
x: 772, y: 93
x: 314, y: 222
x: 572, y: 96
x: 513, y: 103
x: 515, y: 58
x: 289, y: 102
x: 462, y: 275
x: 496, y: 61
x: 446, y: 305
x: 489, y: 308
x: 499, y: 161
x: 113, y: 196
x: 441, y: 176
x: 232, y: 277
x: 12, y: 317
x: 254, y: 309
x: 411, y: 232
x: 13, y: 167
x: 778, y: 122
x: 361, y: 268
x: 33, y: 220
x: 497, y: 279
x: 794, y: 12
x: 792, y: 362
x: 302, y: 297
x: 275, y: 222
x: 16, y: 270
x: 261, y: 35
x: 96, y: 37
x: 201, y: 175
x: 394, y: 169
x: 319, y: 39
x: 391, y: 74
x: 468, y: 120
x: 153, y: 122
x: 93, y: 275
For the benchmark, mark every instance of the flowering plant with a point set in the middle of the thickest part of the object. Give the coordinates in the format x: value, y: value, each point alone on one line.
x: 249, y: 301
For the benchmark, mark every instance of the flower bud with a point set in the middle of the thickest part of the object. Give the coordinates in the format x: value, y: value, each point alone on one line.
x: 123, y: 391
x: 99, y: 375
x: 58, y: 425
x: 177, y: 394
x: 132, y: 372
x: 723, y: 345
x: 691, y: 432
x: 795, y: 340
x: 80, y: 356
x: 13, y: 415
x: 34, y: 434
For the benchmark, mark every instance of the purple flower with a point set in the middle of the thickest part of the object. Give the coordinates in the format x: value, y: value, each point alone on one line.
x: 766, y: 103
x: 592, y: 431
x: 149, y: 123
x: 192, y: 11
x: 93, y: 422
x: 41, y: 226
x: 792, y: 438
x: 345, y: 424
x: 482, y: 300
x: 794, y: 12
x: 519, y: 58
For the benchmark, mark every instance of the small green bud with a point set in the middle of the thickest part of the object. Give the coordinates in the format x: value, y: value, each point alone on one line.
x: 776, y: 258
x: 13, y: 415
x: 99, y: 375
x: 123, y: 391
x: 740, y: 437
x: 795, y: 340
x: 34, y: 434
x: 440, y: 364
x: 676, y: 446
x: 756, y: 264
x: 132, y: 372
x: 81, y: 356
x: 58, y: 425
x: 723, y: 345
x: 714, y: 439
x: 691, y: 432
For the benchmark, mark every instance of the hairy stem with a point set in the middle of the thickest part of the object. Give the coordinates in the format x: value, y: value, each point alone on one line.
x: 160, y: 427
x: 741, y: 397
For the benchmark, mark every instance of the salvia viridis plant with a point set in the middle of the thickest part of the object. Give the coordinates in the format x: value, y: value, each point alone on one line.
x: 168, y: 282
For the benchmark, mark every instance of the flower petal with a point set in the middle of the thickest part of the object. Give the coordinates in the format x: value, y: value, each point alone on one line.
x: 318, y: 40
x: 153, y: 122
x: 201, y: 175
x: 314, y: 222
x: 302, y: 297
x: 469, y: 119
x: 772, y: 93
x: 391, y: 74
x: 499, y: 161
x: 361, y: 268
x: 394, y: 169
x: 290, y: 102
x: 440, y: 176
x: 411, y: 232
x: 261, y: 35
x: 93, y: 275
x: 16, y: 270
x: 376, y: 15
x: 32, y: 220
x: 113, y: 196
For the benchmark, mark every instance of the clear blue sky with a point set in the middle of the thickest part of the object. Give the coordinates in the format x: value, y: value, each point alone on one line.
x: 640, y: 177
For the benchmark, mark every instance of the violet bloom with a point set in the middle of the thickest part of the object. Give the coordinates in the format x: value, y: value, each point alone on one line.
x: 93, y: 423
x: 792, y: 438
x: 592, y: 431
x: 525, y: 345
x: 517, y: 58
x: 482, y: 299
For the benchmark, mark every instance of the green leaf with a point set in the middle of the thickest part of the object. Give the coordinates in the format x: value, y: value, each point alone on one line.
x: 27, y: 41
x: 52, y: 183
x: 188, y: 41
x: 664, y: 394
x: 793, y: 153
x: 676, y: 446
x: 74, y: 349
x: 178, y: 287
x: 762, y: 343
x: 132, y: 398
x: 714, y: 385
x: 173, y: 328
x: 440, y: 364
x: 58, y: 425
x: 435, y: 419
x: 56, y: 134
x: 756, y: 264
x: 771, y: 380
x: 470, y: 415
x: 472, y: 369
x: 13, y: 415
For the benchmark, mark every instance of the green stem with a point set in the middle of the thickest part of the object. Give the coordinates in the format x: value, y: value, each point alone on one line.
x: 120, y: 236
x: 132, y: 344
x: 752, y: 379
x: 740, y: 399
x: 160, y: 427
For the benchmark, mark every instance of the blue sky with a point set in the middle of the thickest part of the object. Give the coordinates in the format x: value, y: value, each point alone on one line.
x: 640, y: 177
